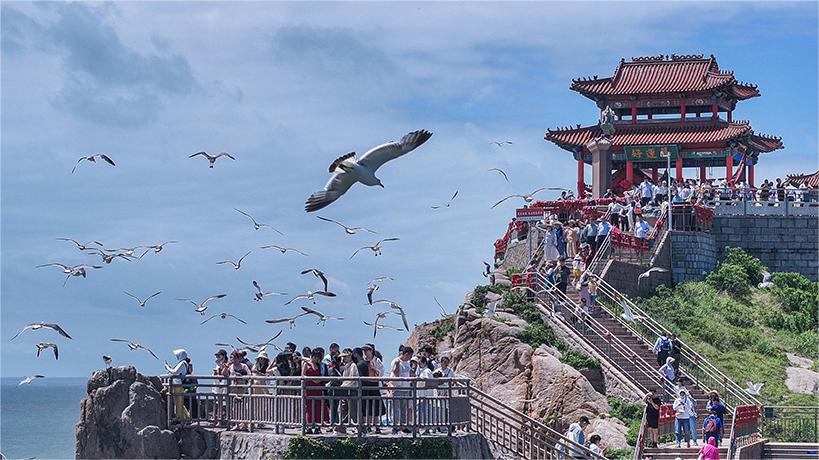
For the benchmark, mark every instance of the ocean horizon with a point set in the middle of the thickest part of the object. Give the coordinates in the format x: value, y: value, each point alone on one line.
x: 38, y: 420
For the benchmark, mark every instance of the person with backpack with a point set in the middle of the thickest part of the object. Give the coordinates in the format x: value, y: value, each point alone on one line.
x: 715, y: 404
x: 711, y: 426
x: 676, y: 351
x: 663, y: 347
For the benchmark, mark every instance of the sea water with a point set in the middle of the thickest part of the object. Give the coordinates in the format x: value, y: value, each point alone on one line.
x: 37, y: 420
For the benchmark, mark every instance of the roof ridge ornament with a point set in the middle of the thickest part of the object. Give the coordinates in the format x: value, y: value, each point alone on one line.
x: 686, y: 57
x: 606, y: 122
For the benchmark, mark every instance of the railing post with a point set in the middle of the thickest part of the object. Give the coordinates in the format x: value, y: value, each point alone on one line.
x: 359, y: 418
x: 413, y: 409
x: 303, y: 407
x: 251, y: 402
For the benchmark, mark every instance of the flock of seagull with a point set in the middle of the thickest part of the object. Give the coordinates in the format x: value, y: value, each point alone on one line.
x: 345, y: 171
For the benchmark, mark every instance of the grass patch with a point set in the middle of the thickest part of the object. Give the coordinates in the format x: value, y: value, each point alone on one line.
x: 579, y: 359
x: 301, y: 447
x: 444, y: 327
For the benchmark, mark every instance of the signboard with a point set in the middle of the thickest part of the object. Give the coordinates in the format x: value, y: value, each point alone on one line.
x: 651, y: 153
x: 706, y: 155
x: 529, y: 214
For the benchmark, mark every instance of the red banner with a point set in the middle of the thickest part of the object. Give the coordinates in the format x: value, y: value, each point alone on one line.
x: 524, y: 214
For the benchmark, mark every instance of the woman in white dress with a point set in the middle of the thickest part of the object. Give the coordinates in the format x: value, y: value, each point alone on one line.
x: 550, y: 246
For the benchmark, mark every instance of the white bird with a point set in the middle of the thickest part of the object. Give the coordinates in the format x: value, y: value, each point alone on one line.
x: 444, y: 314
x: 108, y: 257
x: 42, y: 325
x: 627, y: 313
x: 224, y: 315
x: 318, y: 274
x: 347, y: 230
x: 527, y: 198
x: 502, y: 173
x: 93, y: 159
x: 257, y: 225
x: 258, y: 346
x: 648, y: 272
x: 311, y: 296
x: 30, y: 379
x: 135, y: 346
x: 291, y: 320
x: 282, y: 249
x: 395, y: 306
x: 81, y: 246
x: 321, y: 316
x: 260, y: 295
x: 370, y: 289
x: 501, y: 143
x: 142, y: 302
x: 347, y: 170
x: 376, y: 326
x: 107, y: 360
x: 236, y: 265
x: 379, y: 279
x: 376, y: 249
x: 156, y: 247
x: 766, y: 281
x: 448, y: 203
x: 754, y: 389
x: 201, y: 307
x: 76, y: 270
x: 212, y: 158
x: 45, y: 346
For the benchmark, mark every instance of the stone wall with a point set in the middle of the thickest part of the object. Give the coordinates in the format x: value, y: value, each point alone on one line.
x: 625, y: 277
x: 782, y: 243
x: 692, y: 255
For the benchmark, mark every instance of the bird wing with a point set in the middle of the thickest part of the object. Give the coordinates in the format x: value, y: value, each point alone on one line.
x: 225, y: 154
x: 325, y: 293
x: 120, y: 340
x: 359, y: 249
x: 443, y: 310
x: 245, y: 214
x: 237, y: 319
x: 501, y: 172
x: 377, y: 156
x: 21, y: 331
x: 222, y: 262
x: 386, y: 239
x: 243, y: 257
x: 537, y: 191
x: 78, y: 163
x: 333, y: 221
x: 107, y: 159
x: 56, y: 353
x: 453, y: 196
x: 131, y: 295
x: 55, y: 264
x: 334, y: 166
x: 310, y: 311
x: 58, y: 329
x: 153, y: 295
x: 370, y: 295
x: 280, y: 320
x: 501, y: 201
x: 148, y: 350
x: 212, y: 298
x: 300, y: 296
x: 256, y: 285
x: 205, y: 321
x: 335, y: 187
x: 401, y: 312
x: 323, y: 278
x: 204, y: 154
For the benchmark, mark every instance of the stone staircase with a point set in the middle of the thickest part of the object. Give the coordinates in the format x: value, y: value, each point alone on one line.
x: 671, y: 453
x: 788, y: 450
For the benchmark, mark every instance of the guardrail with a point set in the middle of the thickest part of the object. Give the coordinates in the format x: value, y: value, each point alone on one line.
x: 744, y: 428
x: 754, y: 207
x: 790, y: 423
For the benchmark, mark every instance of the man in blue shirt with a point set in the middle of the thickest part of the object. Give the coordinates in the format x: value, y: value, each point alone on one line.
x: 603, y: 228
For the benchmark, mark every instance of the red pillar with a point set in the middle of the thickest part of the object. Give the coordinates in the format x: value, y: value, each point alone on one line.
x: 714, y: 111
x: 655, y: 175
x: 630, y: 172
x: 751, y: 175
x: 729, y: 167
x: 702, y: 172
x: 633, y: 112
x: 730, y: 116
x: 679, y: 170
x: 581, y: 181
x: 682, y: 109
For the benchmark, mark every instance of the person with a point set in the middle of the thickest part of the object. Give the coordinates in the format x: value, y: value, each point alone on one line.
x: 424, y: 394
x: 662, y: 193
x: 692, y: 419
x: 280, y: 368
x: 594, y: 444
x: 667, y: 371
x: 575, y: 434
x: 334, y: 369
x: 709, y: 451
x: 570, y: 234
x: 711, y: 426
x: 427, y: 351
x: 179, y: 371
x: 401, y: 367
x: 653, y: 404
x: 219, y: 389
x: 260, y: 368
x: 662, y: 347
x: 348, y: 388
x: 641, y: 227
x: 372, y: 408
x: 334, y: 351
x: 603, y: 229
x: 289, y: 347
x: 676, y: 351
x: 592, y: 293
x: 576, y: 264
x: 716, y: 405
x: 237, y: 385
x: 683, y: 408
x: 562, y: 275
x: 646, y: 192
x: 550, y: 251
x: 589, y: 233
x: 316, y: 411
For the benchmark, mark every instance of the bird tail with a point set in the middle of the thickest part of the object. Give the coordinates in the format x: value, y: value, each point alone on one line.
x: 334, y: 165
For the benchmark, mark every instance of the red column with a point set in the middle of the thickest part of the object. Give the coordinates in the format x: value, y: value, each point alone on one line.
x: 630, y: 172
x: 682, y: 109
x: 729, y: 167
x: 633, y: 112
x: 702, y: 172
x: 679, y: 170
x: 730, y: 116
x: 751, y: 175
x: 655, y: 175
x: 581, y: 181
x: 714, y: 112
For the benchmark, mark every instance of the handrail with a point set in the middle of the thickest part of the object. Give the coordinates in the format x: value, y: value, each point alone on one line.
x: 530, y: 436
x: 732, y: 437
x: 694, y: 363
x: 641, y: 437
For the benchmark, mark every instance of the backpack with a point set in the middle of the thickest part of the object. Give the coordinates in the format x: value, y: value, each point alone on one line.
x: 665, y: 344
x: 711, y: 425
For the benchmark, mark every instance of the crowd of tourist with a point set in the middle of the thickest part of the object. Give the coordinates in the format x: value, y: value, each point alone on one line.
x: 701, y: 192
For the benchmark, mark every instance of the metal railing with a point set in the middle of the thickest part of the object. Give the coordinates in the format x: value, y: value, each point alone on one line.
x: 744, y: 428
x: 790, y: 423
x: 749, y: 204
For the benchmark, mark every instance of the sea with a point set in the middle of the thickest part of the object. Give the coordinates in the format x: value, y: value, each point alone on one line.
x: 37, y: 420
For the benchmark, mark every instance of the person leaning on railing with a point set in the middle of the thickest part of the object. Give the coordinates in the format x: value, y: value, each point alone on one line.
x: 347, y: 389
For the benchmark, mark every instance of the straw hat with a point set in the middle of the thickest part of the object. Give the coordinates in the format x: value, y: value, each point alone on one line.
x: 262, y: 354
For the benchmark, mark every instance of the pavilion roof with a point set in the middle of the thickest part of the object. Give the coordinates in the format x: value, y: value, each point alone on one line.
x: 664, y: 75
x: 810, y: 180
x: 687, y: 133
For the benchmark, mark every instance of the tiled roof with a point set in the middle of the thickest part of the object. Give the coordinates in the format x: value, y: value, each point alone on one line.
x: 661, y: 74
x: 810, y: 180
x: 675, y: 132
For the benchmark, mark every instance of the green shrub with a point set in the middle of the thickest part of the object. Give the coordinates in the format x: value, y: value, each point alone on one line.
x: 444, y: 327
x: 730, y: 278
x: 800, y: 300
x: 303, y: 447
x: 752, y: 267
x: 513, y: 271
x: 516, y: 301
x: 537, y: 334
x: 579, y: 359
x: 433, y: 448
x: 618, y: 454
x: 807, y: 344
x: 625, y: 411
x: 479, y: 295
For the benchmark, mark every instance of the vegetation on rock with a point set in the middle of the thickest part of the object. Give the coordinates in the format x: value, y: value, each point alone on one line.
x: 579, y: 359
x: 301, y: 447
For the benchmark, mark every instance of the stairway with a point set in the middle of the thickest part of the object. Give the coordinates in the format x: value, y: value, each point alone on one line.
x: 790, y: 450
x: 671, y: 453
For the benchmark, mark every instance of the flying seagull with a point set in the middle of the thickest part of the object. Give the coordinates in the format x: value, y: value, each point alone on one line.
x: 376, y: 249
x: 260, y: 295
x: 211, y: 158
x: 448, y: 203
x: 370, y: 289
x: 224, y: 315
x: 754, y: 389
x: 258, y: 346
x: 444, y: 314
x: 291, y: 320
x: 311, y: 296
x: 30, y: 379
x: 257, y: 225
x: 142, y: 302
x: 347, y: 230
x: 527, y: 198
x: 282, y: 249
x: 76, y: 270
x: 502, y: 173
x: 318, y: 274
x: 135, y: 346
x: 395, y: 306
x: 501, y: 143
x: 42, y: 325
x: 107, y: 360
x: 108, y: 258
x: 236, y: 265
x: 376, y: 326
x: 93, y: 159
x: 201, y: 307
x: 379, y: 279
x: 321, y: 316
x: 347, y: 170
x: 81, y: 246
x: 45, y: 346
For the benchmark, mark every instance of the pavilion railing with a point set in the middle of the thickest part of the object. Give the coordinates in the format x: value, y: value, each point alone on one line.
x: 744, y: 428
x: 790, y: 423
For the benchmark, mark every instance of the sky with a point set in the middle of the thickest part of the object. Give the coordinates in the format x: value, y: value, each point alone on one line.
x: 287, y: 88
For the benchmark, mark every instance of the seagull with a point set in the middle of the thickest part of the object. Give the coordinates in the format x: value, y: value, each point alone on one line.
x: 527, y: 198
x: 76, y: 270
x: 224, y: 315
x: 42, y: 325
x: 372, y: 288
x: 648, y: 273
x: 627, y: 313
x: 236, y: 265
x: 135, y: 346
x: 212, y: 159
x: 108, y: 258
x: 754, y: 389
x: 487, y: 270
x: 375, y: 249
x: 261, y: 295
x: 318, y: 274
x: 291, y: 320
x: 311, y: 296
x: 107, y: 360
x: 30, y: 379
x: 347, y: 170
x: 444, y: 314
x: 766, y: 281
x: 379, y: 279
x: 448, y: 203
x: 377, y: 326
x: 502, y: 173
x: 347, y: 230
x: 46, y: 345
x: 201, y: 307
x: 321, y: 316
x: 81, y: 246
x: 282, y: 249
x: 501, y: 143
x: 259, y: 346
x: 395, y: 306
x: 257, y: 225
x: 156, y: 247
x: 142, y: 302
x: 93, y: 159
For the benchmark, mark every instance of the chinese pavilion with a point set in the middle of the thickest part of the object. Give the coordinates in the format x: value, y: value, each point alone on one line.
x: 656, y: 106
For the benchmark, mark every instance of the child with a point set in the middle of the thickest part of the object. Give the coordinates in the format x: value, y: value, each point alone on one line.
x: 592, y: 293
x: 576, y: 263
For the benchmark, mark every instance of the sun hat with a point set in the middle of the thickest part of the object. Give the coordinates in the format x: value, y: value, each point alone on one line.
x: 262, y: 354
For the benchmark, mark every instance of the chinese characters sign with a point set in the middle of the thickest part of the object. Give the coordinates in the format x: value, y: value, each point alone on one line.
x: 650, y: 153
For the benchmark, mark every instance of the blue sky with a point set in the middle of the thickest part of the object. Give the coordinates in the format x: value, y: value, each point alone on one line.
x: 287, y: 88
